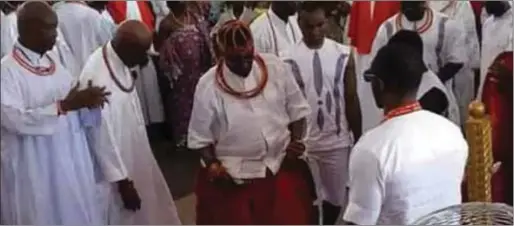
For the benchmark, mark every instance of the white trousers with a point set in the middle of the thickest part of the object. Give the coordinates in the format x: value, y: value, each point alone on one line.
x: 330, y: 174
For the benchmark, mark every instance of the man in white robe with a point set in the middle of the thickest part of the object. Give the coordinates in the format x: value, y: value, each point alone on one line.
x: 325, y: 72
x: 47, y: 174
x: 82, y: 29
x: 464, y: 83
x: 120, y: 145
x: 277, y: 29
x: 497, y: 33
x: 9, y: 36
x: 412, y: 163
x: 444, y: 49
x: 147, y: 86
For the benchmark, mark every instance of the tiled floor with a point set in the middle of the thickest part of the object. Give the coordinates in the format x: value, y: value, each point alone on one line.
x: 179, y: 169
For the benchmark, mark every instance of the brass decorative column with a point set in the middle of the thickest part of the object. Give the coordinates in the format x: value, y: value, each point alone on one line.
x: 480, y: 159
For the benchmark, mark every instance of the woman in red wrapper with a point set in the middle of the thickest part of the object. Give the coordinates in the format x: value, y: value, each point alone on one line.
x: 497, y: 97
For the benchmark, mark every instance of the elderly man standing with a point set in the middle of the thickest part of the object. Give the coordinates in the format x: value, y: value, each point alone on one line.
x: 135, y: 190
x: 248, y: 123
x: 47, y: 175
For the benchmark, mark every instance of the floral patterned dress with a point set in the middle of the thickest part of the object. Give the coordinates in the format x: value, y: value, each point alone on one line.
x: 184, y: 57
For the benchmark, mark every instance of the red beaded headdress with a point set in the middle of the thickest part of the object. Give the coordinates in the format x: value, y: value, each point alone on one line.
x: 234, y: 37
x: 226, y: 38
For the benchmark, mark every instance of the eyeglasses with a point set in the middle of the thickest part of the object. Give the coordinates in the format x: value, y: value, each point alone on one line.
x: 369, y: 76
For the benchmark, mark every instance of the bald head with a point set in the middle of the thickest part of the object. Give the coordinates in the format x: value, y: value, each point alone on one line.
x: 132, y: 41
x: 134, y: 32
x: 37, y: 26
x: 32, y: 11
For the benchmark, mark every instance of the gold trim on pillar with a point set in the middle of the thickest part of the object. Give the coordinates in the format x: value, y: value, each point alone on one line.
x: 480, y: 159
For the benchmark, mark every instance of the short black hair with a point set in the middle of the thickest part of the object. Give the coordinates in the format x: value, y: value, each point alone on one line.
x: 311, y: 6
x: 399, y: 66
x: 410, y: 38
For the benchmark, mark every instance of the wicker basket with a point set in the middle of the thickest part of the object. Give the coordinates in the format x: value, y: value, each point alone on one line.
x: 473, y: 213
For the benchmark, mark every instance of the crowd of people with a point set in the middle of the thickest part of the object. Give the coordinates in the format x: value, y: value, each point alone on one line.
x: 302, y: 112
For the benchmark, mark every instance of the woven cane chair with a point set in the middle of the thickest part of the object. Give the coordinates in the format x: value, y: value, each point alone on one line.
x: 473, y: 213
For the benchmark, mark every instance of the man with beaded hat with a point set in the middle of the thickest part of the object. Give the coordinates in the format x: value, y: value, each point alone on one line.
x: 248, y: 123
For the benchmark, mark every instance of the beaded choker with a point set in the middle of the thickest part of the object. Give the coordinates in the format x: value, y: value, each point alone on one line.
x: 222, y: 82
x: 424, y: 27
x: 111, y: 73
x: 41, y: 71
x: 402, y: 110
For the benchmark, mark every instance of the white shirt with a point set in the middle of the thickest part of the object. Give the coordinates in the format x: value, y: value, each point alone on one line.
x: 497, y: 33
x: 249, y: 135
x: 327, y: 124
x: 272, y: 35
x: 406, y: 168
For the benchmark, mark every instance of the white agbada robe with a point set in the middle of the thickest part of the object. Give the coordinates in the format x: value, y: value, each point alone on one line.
x: 272, y: 35
x: 443, y: 42
x: 147, y: 85
x: 246, y: 149
x: 320, y: 75
x: 47, y: 175
x: 61, y: 49
x: 497, y: 33
x: 406, y: 168
x: 82, y: 28
x: 122, y: 149
x: 464, y: 87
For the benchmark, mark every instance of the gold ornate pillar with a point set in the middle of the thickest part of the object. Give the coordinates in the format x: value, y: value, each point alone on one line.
x: 480, y: 159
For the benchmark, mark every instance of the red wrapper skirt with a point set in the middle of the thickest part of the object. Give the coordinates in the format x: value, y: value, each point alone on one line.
x: 282, y: 199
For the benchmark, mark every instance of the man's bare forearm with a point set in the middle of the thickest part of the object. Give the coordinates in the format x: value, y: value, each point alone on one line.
x: 354, y: 115
x: 297, y: 129
x: 353, y: 107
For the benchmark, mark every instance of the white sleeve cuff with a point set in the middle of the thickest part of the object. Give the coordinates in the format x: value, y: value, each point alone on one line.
x: 358, y: 215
